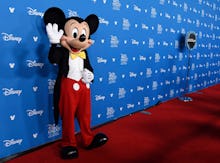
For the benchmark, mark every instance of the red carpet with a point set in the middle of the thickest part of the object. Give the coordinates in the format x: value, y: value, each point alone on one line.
x: 174, y: 132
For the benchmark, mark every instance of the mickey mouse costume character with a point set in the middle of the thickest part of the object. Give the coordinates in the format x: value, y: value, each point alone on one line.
x: 69, y: 38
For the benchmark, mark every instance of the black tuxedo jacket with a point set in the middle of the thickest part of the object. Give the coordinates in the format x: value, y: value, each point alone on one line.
x: 60, y: 56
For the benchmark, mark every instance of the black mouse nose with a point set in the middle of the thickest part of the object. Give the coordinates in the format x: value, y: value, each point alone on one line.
x: 82, y: 38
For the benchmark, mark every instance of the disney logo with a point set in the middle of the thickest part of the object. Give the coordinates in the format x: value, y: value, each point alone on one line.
x: 132, y: 74
x: 170, y: 56
x: 144, y: 26
x: 167, y: 82
x: 34, y: 112
x: 184, y: 67
x: 142, y: 58
x: 175, y: 4
x: 172, y: 30
x: 182, y: 90
x: 11, y: 91
x: 136, y: 8
x: 162, y: 70
x: 165, y: 43
x: 167, y: 16
x: 34, y: 12
x: 10, y: 37
x: 139, y: 88
x: 11, y: 142
x: 101, y: 60
x: 103, y: 21
x: 99, y: 97
x: 160, y: 97
x: 130, y: 106
x: 134, y: 42
x: 34, y: 64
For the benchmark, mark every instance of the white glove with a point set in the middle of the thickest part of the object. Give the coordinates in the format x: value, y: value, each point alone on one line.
x: 88, y: 76
x: 53, y: 34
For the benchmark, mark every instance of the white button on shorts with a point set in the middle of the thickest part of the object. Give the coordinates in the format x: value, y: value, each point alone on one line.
x: 76, y: 86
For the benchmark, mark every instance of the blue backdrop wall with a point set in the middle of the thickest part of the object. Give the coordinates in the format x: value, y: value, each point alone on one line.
x: 136, y: 58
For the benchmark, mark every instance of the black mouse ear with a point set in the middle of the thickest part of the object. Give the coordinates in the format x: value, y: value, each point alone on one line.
x: 93, y: 22
x: 55, y: 15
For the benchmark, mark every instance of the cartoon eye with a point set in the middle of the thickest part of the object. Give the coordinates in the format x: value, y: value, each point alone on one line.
x: 84, y: 32
x: 75, y: 33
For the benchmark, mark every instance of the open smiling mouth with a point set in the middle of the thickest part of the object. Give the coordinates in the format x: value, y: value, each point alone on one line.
x: 75, y: 50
